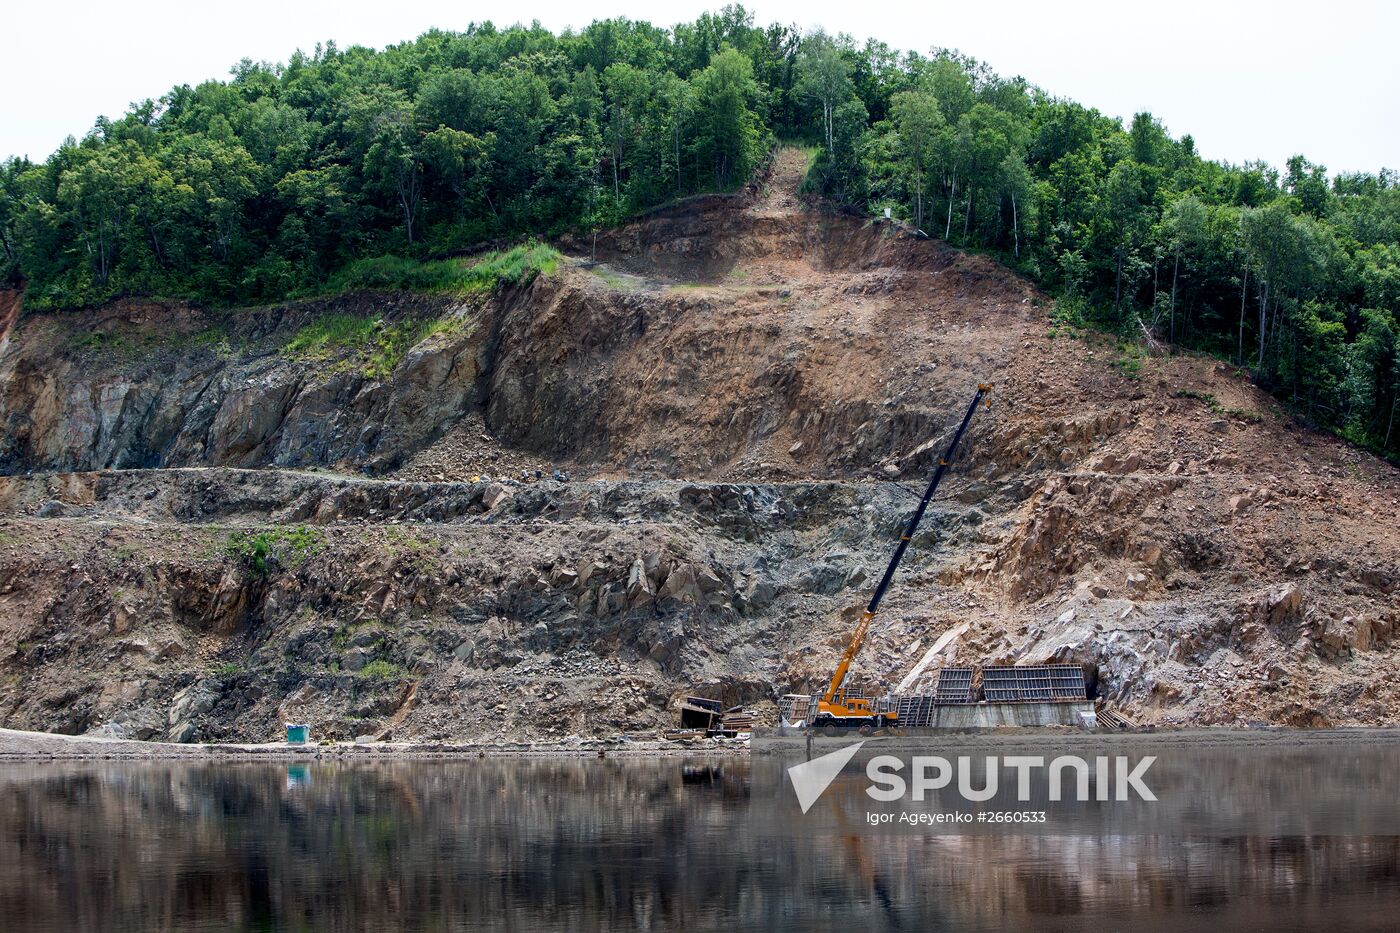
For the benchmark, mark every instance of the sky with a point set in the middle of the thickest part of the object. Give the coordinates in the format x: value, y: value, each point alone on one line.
x: 1248, y: 80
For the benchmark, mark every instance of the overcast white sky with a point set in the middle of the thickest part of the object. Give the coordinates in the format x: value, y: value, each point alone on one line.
x: 1247, y: 79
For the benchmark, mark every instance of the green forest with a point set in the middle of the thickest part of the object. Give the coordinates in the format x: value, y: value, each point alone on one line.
x: 294, y: 179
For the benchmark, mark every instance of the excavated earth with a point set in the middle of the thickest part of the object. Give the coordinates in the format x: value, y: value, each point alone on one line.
x: 676, y: 468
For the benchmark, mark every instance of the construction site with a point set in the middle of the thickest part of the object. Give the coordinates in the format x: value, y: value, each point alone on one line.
x: 676, y: 466
x: 963, y: 697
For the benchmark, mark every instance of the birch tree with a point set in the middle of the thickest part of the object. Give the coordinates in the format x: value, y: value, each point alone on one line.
x: 917, y: 120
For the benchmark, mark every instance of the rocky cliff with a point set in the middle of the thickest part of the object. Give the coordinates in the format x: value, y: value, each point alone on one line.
x: 210, y: 523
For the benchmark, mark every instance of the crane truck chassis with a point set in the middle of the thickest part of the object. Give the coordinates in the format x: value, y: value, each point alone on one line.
x: 836, y: 708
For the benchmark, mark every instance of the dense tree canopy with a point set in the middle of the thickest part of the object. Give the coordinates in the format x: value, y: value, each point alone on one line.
x: 265, y: 185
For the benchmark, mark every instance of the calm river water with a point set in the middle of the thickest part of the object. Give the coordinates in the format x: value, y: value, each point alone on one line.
x: 526, y: 845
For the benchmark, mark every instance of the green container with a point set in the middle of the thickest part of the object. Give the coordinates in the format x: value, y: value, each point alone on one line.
x: 297, y: 734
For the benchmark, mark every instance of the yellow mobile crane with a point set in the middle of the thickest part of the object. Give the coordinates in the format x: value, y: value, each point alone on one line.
x: 835, y: 708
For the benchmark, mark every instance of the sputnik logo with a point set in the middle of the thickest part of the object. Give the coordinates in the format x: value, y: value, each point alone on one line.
x: 810, y: 778
x: 932, y: 773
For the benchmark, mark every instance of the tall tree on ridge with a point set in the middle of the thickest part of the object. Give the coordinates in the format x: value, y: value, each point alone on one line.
x: 917, y: 120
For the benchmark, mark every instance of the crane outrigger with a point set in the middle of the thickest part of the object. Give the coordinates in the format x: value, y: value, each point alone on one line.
x: 835, y: 708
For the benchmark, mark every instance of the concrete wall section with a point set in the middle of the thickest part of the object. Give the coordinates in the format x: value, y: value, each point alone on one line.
x: 1026, y: 715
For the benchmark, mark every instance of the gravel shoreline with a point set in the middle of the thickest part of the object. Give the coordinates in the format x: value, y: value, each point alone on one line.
x: 17, y: 745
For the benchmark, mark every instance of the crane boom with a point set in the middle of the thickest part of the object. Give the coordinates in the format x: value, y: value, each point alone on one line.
x: 833, y: 705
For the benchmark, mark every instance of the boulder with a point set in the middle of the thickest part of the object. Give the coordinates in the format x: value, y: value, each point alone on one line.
x: 1279, y: 608
x: 195, y: 700
x: 228, y: 608
x: 586, y: 568
x: 1335, y: 637
x: 667, y: 644
x: 1105, y: 464
x: 356, y: 658
x: 708, y: 580
x: 611, y: 600
x: 1112, y: 463
x: 680, y: 587
x: 1285, y: 604
x: 366, y: 637
x: 639, y: 591
x: 1363, y: 635
x: 122, y: 618
x: 291, y: 706
x: 138, y: 724
x: 1153, y: 557
x: 183, y: 733
x: 494, y: 495
x: 656, y: 567
x: 759, y: 593
x: 1382, y: 629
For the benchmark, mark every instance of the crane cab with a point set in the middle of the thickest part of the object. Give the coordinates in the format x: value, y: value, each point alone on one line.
x: 852, y: 712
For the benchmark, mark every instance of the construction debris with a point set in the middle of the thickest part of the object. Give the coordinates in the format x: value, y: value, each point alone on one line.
x: 1114, y: 721
x: 704, y: 717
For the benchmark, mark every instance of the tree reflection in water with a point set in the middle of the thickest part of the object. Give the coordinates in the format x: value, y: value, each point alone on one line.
x: 600, y: 845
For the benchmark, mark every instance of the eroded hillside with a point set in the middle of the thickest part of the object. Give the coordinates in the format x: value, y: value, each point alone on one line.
x: 206, y: 531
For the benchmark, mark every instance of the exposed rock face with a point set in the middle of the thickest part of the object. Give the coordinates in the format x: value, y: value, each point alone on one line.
x: 140, y: 385
x: 576, y: 499
x: 1278, y: 606
x: 194, y: 701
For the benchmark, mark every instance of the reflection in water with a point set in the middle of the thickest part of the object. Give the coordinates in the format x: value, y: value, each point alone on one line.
x: 298, y: 776
x: 603, y: 845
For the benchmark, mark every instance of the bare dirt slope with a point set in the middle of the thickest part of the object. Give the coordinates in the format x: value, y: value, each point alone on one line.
x: 204, y: 535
